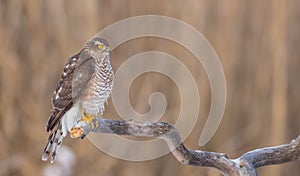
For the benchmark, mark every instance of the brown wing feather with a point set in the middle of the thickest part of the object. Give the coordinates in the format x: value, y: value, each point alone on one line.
x: 77, y: 72
x: 62, y: 96
x: 82, y: 75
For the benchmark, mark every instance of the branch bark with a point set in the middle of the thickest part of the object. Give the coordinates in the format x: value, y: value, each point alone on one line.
x: 243, y: 166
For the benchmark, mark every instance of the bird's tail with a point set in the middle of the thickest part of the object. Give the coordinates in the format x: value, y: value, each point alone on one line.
x: 54, y: 142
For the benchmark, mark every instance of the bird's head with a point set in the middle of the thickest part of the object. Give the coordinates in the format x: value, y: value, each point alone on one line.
x: 98, y: 48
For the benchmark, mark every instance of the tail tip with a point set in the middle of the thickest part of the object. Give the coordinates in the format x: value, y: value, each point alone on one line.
x: 46, y: 154
x: 45, y: 157
x: 53, y: 157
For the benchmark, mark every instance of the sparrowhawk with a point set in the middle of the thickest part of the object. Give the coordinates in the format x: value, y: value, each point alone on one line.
x: 84, y: 87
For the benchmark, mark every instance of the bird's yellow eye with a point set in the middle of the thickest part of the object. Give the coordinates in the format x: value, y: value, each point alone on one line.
x: 100, y: 46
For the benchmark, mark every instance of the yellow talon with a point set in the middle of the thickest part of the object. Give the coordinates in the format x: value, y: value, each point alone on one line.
x: 88, y: 118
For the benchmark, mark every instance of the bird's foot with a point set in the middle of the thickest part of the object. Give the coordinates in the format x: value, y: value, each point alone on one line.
x: 76, y: 132
x: 89, y: 119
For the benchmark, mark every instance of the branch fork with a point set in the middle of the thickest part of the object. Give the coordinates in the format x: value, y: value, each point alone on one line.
x: 245, y: 165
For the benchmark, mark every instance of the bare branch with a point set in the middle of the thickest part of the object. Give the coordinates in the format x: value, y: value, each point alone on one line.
x: 244, y: 166
x: 274, y: 155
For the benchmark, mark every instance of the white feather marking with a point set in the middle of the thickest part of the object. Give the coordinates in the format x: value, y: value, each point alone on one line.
x: 59, y: 90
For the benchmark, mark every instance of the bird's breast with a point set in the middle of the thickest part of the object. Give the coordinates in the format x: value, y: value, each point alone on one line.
x: 98, y: 90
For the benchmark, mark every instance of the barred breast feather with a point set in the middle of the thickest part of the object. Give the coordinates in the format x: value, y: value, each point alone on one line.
x: 99, y: 89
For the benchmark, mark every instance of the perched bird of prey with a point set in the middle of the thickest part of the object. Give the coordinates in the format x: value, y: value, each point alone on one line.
x: 84, y: 87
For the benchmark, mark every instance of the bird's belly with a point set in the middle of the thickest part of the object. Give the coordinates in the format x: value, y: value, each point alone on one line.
x: 95, y: 97
x: 93, y: 106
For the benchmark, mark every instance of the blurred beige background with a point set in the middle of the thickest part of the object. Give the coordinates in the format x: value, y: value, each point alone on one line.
x: 258, y: 44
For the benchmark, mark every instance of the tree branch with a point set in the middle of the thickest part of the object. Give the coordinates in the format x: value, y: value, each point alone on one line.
x: 244, y: 166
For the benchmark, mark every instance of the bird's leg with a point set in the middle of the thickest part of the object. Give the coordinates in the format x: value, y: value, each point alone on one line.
x: 76, y: 132
x: 87, y: 118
